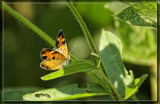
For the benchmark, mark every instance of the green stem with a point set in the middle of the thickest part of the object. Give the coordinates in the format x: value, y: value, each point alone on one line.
x: 100, y: 81
x: 105, y: 86
x: 92, y: 47
x: 83, y: 27
x: 39, y: 32
x: 112, y: 88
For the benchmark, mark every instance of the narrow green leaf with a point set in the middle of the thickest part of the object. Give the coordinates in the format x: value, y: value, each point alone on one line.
x: 37, y: 30
x: 110, y: 53
x: 29, y: 24
x: 133, y: 88
x: 144, y: 14
x: 63, y: 93
x: 72, y: 67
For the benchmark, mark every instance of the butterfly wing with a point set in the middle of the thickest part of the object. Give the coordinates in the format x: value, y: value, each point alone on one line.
x: 56, y: 58
x: 46, y: 53
x: 54, y: 62
x: 62, y: 45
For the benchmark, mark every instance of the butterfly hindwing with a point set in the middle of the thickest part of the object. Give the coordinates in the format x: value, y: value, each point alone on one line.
x: 48, y: 54
x: 55, y: 63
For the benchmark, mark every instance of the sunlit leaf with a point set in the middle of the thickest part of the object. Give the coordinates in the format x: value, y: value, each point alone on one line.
x: 63, y: 93
x: 144, y: 14
x: 133, y: 88
x: 71, y: 68
x: 116, y: 7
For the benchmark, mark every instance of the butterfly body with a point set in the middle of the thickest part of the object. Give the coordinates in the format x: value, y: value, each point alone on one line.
x: 56, y: 58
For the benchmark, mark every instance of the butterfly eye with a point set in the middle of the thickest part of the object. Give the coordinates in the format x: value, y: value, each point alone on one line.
x: 53, y: 57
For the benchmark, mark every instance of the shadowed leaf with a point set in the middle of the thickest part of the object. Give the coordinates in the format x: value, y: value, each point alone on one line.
x: 63, y: 93
x: 110, y: 53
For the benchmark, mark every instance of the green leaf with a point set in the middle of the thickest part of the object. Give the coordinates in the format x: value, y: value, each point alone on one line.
x: 110, y: 53
x: 37, y: 30
x: 139, y: 44
x: 29, y: 24
x: 63, y: 93
x: 95, y: 88
x: 71, y: 68
x: 133, y: 88
x: 144, y: 14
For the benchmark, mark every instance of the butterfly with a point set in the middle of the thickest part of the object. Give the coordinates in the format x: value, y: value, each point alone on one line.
x: 55, y: 59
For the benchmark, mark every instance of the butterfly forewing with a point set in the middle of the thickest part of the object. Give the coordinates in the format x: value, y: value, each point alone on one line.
x: 62, y: 45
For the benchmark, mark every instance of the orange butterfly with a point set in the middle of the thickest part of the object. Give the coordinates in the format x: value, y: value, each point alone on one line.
x: 56, y: 58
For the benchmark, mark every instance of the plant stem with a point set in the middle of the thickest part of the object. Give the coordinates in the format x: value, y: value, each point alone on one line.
x: 83, y: 27
x: 100, y: 81
x: 39, y: 32
x: 105, y: 86
x: 110, y: 85
x: 92, y: 47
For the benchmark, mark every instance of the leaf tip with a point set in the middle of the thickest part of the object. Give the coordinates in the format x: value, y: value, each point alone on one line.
x: 43, y: 78
x: 145, y: 75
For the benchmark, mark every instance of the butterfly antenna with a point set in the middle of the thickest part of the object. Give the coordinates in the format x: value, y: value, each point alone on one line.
x: 73, y: 48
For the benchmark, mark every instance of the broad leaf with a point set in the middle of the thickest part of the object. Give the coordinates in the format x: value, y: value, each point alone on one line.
x: 71, y: 68
x: 133, y: 88
x: 139, y: 44
x: 144, y: 14
x: 110, y: 53
x: 63, y: 93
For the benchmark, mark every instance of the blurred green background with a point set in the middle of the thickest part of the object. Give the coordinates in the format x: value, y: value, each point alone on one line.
x: 22, y: 46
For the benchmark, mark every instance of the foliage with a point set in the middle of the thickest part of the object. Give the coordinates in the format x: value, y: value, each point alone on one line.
x: 63, y: 93
x: 139, y: 44
x: 107, y: 67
